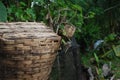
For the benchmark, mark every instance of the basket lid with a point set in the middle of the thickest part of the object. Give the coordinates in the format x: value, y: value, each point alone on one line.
x: 25, y: 30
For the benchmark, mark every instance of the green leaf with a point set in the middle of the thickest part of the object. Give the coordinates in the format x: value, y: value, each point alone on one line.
x: 22, y: 4
x: 30, y: 14
x: 110, y: 37
x: 63, y: 41
x: 116, y: 50
x: 96, y: 58
x: 91, y: 15
x: 77, y: 7
x: 3, y: 12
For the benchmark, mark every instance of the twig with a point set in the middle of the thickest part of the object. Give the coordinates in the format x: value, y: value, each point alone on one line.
x: 111, y: 8
x: 57, y: 29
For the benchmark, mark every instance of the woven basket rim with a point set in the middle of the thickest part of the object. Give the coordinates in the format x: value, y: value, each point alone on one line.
x: 22, y: 23
x: 35, y: 29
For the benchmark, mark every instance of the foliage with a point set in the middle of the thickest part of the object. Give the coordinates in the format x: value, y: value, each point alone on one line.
x: 115, y: 51
x: 3, y: 12
x: 89, y: 33
x: 20, y: 13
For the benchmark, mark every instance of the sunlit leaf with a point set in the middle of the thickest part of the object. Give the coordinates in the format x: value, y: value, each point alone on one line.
x: 96, y: 58
x: 116, y: 50
x: 77, y: 7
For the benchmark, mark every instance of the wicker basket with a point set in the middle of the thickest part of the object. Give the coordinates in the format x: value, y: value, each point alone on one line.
x: 27, y: 51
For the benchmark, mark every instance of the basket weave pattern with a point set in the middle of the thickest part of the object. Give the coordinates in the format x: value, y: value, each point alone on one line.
x: 27, y: 51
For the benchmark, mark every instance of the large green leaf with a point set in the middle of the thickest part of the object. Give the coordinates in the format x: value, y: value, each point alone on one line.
x: 115, y: 50
x: 3, y: 12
